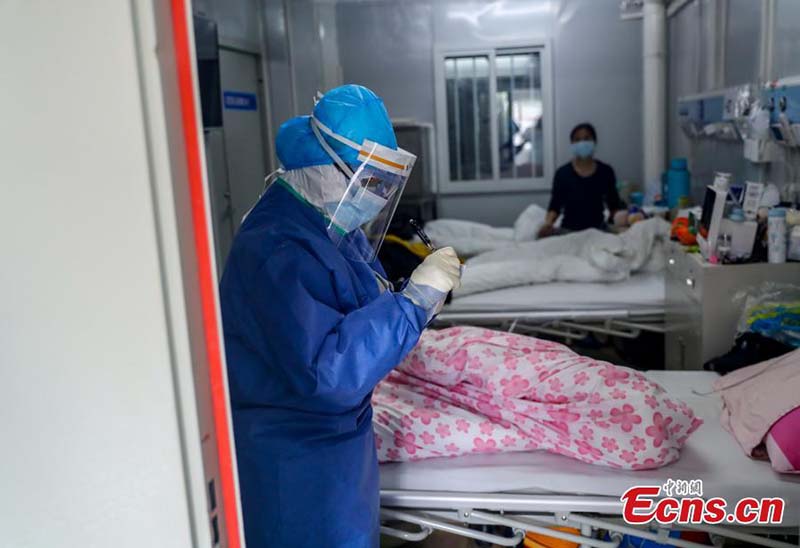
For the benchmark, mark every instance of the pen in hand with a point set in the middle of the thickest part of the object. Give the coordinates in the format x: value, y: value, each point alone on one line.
x: 421, y: 233
x: 424, y: 237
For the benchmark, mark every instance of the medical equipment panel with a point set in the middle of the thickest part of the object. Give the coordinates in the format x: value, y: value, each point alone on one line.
x: 782, y: 98
x: 732, y: 114
x: 710, y: 115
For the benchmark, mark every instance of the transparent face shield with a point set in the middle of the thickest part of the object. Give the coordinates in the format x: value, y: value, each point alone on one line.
x: 359, y: 221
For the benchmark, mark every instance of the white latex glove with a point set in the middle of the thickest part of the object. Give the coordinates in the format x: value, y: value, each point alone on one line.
x: 440, y: 270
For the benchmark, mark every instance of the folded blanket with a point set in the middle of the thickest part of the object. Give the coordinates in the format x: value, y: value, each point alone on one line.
x: 586, y: 256
x: 471, y: 390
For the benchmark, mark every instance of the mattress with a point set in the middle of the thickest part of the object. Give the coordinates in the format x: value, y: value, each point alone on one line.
x: 646, y: 290
x: 711, y: 454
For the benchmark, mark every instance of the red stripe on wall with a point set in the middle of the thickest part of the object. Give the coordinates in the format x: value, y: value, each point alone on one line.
x: 191, y: 134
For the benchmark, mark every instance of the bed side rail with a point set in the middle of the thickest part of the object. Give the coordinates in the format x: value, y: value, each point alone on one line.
x: 545, y: 315
x: 568, y: 324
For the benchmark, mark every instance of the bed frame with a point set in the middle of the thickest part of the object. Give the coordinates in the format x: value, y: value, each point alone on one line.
x: 426, y: 511
x: 568, y: 324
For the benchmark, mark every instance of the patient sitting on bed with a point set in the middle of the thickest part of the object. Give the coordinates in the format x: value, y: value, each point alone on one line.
x: 471, y: 390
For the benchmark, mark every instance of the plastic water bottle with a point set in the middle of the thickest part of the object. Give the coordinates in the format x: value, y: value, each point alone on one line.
x: 678, y: 181
x: 776, y: 235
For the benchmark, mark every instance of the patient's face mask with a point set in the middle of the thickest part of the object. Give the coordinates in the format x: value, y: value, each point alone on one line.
x: 583, y: 149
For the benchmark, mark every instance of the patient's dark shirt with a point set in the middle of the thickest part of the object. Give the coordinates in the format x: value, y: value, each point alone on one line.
x: 581, y: 199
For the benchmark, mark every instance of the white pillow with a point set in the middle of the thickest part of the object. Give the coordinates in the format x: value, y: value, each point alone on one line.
x: 527, y: 225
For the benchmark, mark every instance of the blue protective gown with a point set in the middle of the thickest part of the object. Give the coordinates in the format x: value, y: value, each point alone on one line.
x: 308, y: 335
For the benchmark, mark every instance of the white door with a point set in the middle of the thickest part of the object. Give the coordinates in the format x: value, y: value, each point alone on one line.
x: 242, y: 117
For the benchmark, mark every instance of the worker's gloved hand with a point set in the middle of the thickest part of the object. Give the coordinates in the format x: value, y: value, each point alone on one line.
x: 431, y: 281
x: 440, y: 270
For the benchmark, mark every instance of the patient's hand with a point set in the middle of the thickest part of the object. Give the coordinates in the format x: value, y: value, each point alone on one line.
x: 546, y: 230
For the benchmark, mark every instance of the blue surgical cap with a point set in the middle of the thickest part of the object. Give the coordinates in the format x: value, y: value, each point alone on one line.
x: 352, y: 111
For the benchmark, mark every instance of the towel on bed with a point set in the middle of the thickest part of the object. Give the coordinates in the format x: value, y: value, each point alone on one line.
x: 586, y: 256
x: 471, y: 390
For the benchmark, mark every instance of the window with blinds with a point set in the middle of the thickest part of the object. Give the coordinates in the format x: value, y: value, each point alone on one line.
x: 495, y: 117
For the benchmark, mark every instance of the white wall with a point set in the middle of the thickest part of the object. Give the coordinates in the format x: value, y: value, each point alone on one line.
x: 683, y: 70
x: 598, y: 77
x: 388, y: 46
x: 299, y: 40
x: 92, y: 453
x: 786, y: 47
x: 280, y: 80
x: 741, y: 41
x: 236, y: 20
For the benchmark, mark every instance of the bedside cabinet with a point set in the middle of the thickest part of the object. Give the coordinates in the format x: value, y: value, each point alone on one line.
x: 701, y: 313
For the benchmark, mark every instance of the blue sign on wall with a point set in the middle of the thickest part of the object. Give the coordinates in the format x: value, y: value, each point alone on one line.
x: 237, y: 100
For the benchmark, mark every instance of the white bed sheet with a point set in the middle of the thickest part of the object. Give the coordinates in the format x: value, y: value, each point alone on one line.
x: 646, y: 290
x: 711, y: 454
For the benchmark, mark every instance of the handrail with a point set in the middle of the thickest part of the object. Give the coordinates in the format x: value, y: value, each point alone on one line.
x: 541, y: 315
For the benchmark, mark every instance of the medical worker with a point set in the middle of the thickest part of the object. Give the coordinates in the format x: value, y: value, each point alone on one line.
x: 311, y: 325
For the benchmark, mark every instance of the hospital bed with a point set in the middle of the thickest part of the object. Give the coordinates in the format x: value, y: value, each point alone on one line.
x: 530, y: 491
x: 567, y: 309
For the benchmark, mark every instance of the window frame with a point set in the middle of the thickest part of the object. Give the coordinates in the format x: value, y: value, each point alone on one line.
x: 496, y: 184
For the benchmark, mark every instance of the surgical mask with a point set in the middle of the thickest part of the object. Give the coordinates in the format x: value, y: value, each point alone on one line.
x: 583, y: 149
x: 348, y: 215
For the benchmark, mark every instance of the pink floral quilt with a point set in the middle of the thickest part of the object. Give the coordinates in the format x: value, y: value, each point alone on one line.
x: 471, y: 390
